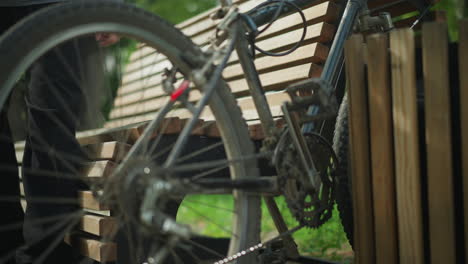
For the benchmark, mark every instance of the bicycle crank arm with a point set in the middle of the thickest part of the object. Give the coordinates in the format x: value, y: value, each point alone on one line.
x: 294, y: 129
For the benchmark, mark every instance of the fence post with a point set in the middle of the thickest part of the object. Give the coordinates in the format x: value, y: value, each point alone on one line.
x: 438, y: 143
x: 360, y: 158
x: 406, y: 140
x: 381, y: 135
x: 463, y: 73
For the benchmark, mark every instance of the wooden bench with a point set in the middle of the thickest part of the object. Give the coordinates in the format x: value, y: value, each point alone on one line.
x: 140, y: 94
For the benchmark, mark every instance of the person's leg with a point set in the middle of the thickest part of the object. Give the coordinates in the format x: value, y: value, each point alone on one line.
x: 55, y: 103
x: 10, y: 207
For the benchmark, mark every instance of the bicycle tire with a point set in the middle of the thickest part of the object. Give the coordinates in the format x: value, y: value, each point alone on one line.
x: 24, y: 43
x: 343, y: 174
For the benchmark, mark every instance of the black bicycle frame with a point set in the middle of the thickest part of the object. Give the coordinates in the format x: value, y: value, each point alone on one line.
x: 332, y: 67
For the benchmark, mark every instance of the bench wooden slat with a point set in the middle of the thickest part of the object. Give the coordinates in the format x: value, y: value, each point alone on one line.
x: 98, y: 169
x: 87, y: 201
x: 195, y: 23
x: 204, y: 24
x: 321, y: 32
x: 245, y: 103
x: 104, y: 226
x: 147, y: 71
x: 209, y: 24
x: 94, y: 249
x: 315, y: 53
x: 126, y: 134
x: 325, y: 12
x: 270, y: 81
x: 107, y: 151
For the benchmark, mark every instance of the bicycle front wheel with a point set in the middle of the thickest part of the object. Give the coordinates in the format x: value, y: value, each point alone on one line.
x: 66, y: 96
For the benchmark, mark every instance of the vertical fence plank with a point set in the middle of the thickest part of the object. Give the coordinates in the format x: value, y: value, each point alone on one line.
x: 381, y: 134
x: 438, y: 143
x: 407, y: 161
x: 463, y: 73
x: 359, y: 143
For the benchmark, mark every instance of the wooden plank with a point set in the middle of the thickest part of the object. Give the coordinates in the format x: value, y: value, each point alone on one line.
x: 145, y: 72
x: 153, y: 58
x: 407, y: 161
x: 124, y: 134
x: 208, y: 24
x: 270, y: 81
x: 98, y: 169
x: 245, y: 103
x: 152, y: 75
x: 94, y: 249
x: 103, y: 226
x: 324, y: 12
x: 312, y: 53
x: 315, y: 53
x: 438, y: 143
x: 321, y: 32
x: 381, y: 132
x: 87, y: 201
x: 359, y: 145
x: 203, y: 29
x: 114, y: 151
x: 150, y: 65
x: 462, y: 70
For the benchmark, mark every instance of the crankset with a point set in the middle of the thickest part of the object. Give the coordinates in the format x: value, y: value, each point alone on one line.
x: 305, y: 161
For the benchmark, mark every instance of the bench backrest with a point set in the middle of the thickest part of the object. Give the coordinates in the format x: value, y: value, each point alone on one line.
x: 141, y: 94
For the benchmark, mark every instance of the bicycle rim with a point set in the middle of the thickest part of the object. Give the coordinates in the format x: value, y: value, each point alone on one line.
x: 68, y: 26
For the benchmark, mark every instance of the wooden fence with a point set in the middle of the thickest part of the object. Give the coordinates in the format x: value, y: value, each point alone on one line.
x: 409, y: 145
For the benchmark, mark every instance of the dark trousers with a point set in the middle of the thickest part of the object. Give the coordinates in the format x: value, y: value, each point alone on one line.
x: 52, y: 155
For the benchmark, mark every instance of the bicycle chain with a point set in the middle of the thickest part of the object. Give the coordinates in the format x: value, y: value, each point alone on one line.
x: 290, y: 170
x: 240, y: 254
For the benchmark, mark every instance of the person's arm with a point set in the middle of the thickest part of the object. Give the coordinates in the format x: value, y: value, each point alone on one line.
x: 108, y: 39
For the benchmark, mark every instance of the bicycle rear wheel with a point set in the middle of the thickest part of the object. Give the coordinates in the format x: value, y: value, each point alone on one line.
x: 68, y: 104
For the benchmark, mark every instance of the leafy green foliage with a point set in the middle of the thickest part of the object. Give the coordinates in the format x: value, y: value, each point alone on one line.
x: 212, y: 215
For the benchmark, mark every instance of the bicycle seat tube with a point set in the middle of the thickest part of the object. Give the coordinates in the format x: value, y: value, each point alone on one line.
x: 335, y: 58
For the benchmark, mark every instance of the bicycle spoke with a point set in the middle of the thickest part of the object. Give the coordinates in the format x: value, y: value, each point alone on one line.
x: 206, y: 249
x: 56, y: 241
x: 210, y: 205
x: 199, y: 152
x: 41, y: 200
x: 216, y: 163
x: 42, y: 220
x: 49, y: 231
x: 211, y: 221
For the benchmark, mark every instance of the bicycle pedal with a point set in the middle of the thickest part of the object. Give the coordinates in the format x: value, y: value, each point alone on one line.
x: 310, y: 92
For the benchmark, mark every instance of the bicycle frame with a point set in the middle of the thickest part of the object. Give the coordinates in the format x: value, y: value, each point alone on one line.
x: 331, y: 70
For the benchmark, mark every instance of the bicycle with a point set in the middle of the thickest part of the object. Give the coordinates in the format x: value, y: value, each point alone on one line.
x: 159, y: 169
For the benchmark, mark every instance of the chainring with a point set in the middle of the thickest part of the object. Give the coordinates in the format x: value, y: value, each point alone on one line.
x: 311, y: 207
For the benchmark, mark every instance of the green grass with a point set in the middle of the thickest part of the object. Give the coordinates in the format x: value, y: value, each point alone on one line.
x: 212, y: 215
